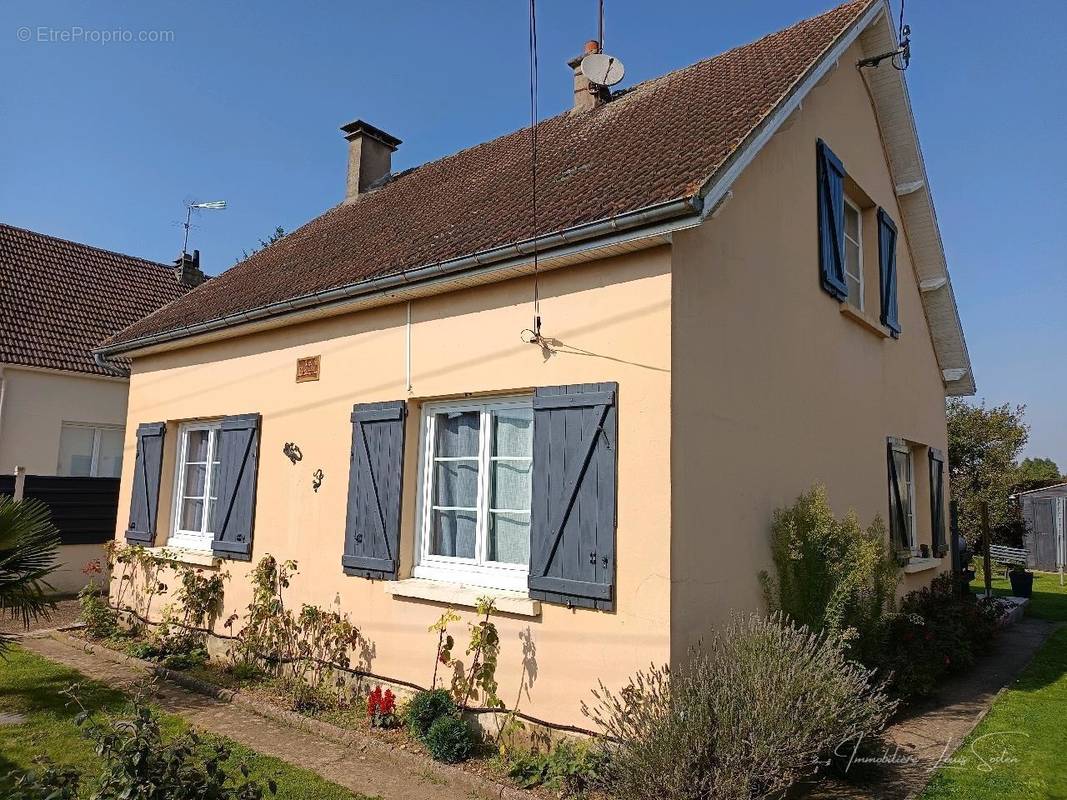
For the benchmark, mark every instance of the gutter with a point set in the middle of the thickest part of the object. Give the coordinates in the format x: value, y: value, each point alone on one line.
x: 583, y: 235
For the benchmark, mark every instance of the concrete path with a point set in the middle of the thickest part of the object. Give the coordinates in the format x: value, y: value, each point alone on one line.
x: 364, y: 765
x: 930, y: 733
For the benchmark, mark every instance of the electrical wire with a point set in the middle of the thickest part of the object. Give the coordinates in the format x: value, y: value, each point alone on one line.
x: 536, y: 330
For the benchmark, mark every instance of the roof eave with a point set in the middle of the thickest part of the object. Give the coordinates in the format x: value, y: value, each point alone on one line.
x: 506, y: 261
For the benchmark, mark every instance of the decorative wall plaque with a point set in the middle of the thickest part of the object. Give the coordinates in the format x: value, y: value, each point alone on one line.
x: 307, y: 369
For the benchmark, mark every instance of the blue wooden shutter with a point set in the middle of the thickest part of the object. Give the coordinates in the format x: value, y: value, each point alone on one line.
x: 572, y: 540
x: 887, y: 268
x: 375, y: 488
x: 235, y: 508
x: 144, y: 494
x: 937, y: 500
x: 831, y: 178
x: 898, y: 520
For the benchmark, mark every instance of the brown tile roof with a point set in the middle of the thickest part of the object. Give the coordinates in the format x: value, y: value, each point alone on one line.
x: 59, y: 299
x: 657, y: 142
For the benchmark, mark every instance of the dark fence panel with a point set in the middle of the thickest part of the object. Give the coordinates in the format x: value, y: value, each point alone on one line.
x: 84, y: 509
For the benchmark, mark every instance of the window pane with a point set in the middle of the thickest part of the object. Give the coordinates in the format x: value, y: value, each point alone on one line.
x: 510, y: 485
x: 453, y: 533
x: 194, y: 480
x: 109, y: 458
x: 211, y: 506
x: 509, y: 538
x: 456, y: 483
x: 192, y: 514
x: 457, y: 434
x: 512, y: 432
x: 903, y: 467
x: 853, y: 291
x: 852, y: 222
x: 852, y: 258
x: 196, y: 446
x: 75, y: 451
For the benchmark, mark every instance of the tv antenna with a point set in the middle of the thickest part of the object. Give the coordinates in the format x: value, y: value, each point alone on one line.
x: 213, y: 205
x: 600, y: 68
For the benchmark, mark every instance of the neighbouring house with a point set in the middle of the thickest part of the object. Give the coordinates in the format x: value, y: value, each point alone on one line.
x: 1044, y: 511
x: 741, y: 289
x: 62, y: 413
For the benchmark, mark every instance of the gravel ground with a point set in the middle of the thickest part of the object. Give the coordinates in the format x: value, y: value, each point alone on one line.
x: 66, y: 613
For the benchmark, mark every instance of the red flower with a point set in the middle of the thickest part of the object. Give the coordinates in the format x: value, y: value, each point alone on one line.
x: 388, y: 703
x: 374, y: 702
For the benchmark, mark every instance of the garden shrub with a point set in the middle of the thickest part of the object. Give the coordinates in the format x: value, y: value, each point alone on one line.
x: 569, y: 768
x: 750, y: 714
x: 425, y: 708
x: 268, y: 636
x: 937, y: 632
x: 831, y: 575
x: 138, y: 763
x: 101, y: 621
x: 450, y: 740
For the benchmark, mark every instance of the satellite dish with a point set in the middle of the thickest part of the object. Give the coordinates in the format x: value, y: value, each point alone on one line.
x: 602, y: 69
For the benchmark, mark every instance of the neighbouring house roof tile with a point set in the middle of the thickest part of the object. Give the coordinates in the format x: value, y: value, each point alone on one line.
x: 656, y: 142
x: 60, y: 299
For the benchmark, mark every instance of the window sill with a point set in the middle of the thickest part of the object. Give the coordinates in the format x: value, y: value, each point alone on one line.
x: 869, y: 323
x: 921, y: 564
x: 458, y: 594
x: 180, y: 555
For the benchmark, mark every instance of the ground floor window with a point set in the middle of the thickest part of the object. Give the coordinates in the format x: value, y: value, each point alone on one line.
x: 903, y: 464
x: 196, y: 477
x: 474, y: 514
x: 90, y: 451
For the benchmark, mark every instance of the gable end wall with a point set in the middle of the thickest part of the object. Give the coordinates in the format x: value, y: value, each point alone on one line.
x: 774, y: 388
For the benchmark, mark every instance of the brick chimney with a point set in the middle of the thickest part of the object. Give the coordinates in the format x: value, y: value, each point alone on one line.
x: 587, y: 95
x: 370, y: 152
x: 187, y: 269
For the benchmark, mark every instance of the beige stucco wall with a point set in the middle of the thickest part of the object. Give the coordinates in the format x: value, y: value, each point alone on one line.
x: 613, y: 319
x: 775, y: 388
x: 35, y: 405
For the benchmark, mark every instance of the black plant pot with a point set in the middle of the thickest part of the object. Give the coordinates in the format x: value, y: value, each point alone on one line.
x: 1022, y: 583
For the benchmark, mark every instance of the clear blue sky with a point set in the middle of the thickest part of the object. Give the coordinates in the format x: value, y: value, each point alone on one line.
x: 101, y: 142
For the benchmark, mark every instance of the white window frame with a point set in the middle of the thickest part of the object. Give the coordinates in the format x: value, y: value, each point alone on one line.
x: 908, y: 451
x: 478, y: 571
x: 179, y: 537
x: 858, y: 241
x: 96, y: 428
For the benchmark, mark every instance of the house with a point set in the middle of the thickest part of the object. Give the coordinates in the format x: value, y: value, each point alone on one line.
x: 741, y: 290
x: 63, y: 414
x: 1044, y: 511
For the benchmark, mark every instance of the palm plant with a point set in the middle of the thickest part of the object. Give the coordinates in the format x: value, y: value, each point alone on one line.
x: 29, y: 543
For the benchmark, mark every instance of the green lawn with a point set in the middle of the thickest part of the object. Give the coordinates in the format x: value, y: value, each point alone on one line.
x: 1020, y: 748
x: 30, y: 685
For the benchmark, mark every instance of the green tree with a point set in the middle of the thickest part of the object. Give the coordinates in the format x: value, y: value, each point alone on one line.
x: 983, y: 449
x: 29, y: 543
x: 278, y: 233
x: 1034, y: 473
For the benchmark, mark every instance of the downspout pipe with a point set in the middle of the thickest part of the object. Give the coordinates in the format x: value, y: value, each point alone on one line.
x: 686, y: 207
x: 110, y: 367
